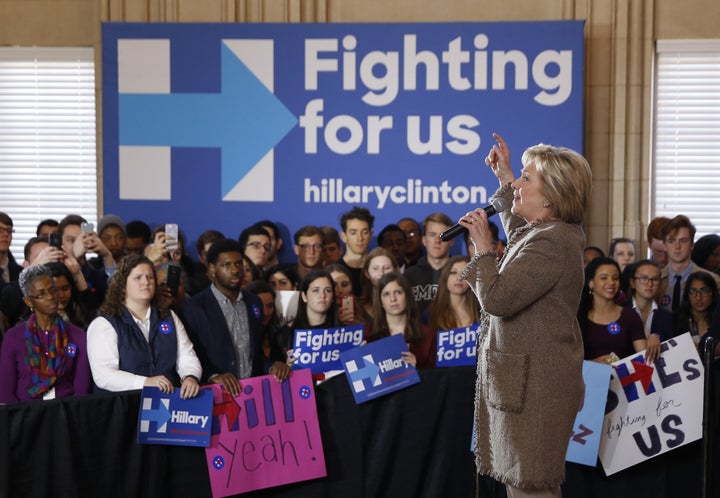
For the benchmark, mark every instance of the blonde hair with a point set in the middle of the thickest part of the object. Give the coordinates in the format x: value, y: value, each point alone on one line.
x: 566, y: 177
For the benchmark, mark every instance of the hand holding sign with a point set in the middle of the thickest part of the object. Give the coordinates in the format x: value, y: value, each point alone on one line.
x: 228, y: 381
x: 319, y: 349
x: 161, y: 382
x: 379, y: 368
x: 652, y: 409
x: 266, y: 436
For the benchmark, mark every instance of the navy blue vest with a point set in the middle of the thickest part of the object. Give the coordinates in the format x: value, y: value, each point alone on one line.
x: 149, y: 358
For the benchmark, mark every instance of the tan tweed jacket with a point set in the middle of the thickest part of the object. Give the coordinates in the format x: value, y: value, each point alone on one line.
x: 529, y: 373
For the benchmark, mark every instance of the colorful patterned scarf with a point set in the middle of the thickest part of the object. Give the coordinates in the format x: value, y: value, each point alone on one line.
x: 46, y: 362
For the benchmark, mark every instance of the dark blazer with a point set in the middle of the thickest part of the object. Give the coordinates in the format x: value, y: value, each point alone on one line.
x: 211, y: 337
x: 14, y: 270
x: 663, y: 322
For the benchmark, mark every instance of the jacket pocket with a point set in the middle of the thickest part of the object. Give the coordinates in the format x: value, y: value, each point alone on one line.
x: 505, y: 380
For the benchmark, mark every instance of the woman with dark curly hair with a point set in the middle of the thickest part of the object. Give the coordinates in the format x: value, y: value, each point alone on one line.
x: 282, y: 277
x: 609, y: 331
x: 136, y: 341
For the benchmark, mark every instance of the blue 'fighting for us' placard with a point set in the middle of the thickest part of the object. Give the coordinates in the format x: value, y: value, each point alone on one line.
x: 299, y: 122
x: 319, y: 349
x: 457, y: 347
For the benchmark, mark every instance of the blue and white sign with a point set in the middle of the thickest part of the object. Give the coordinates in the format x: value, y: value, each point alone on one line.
x: 377, y: 368
x: 299, y: 122
x: 652, y: 409
x: 319, y: 349
x: 169, y: 419
x: 585, y: 439
x: 457, y: 347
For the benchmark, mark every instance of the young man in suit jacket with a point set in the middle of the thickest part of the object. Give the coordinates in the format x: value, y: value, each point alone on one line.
x: 225, y: 323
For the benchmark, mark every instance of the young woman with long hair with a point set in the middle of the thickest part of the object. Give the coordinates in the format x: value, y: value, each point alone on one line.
x: 698, y: 305
x: 349, y: 310
x: 396, y: 312
x: 610, y: 331
x: 454, y: 305
x: 379, y: 261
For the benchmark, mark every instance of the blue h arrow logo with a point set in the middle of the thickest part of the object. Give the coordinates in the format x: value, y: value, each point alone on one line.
x: 245, y: 120
x: 369, y: 372
x: 159, y: 415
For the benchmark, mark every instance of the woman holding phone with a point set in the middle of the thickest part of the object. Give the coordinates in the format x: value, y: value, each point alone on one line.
x: 348, y: 305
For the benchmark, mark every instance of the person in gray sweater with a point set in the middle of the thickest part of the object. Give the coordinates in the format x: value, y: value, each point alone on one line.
x: 530, y: 352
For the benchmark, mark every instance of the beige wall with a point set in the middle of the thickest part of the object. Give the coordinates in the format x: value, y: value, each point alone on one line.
x: 619, y: 55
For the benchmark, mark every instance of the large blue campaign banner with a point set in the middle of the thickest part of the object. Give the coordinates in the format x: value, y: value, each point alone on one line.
x: 221, y: 125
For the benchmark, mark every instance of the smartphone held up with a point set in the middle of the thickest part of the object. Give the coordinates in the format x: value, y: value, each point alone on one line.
x: 171, y: 236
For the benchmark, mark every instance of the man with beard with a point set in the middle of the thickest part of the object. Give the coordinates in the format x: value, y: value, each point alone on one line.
x: 225, y: 323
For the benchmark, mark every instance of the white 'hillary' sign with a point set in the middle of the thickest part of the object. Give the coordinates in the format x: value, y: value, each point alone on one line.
x: 652, y: 408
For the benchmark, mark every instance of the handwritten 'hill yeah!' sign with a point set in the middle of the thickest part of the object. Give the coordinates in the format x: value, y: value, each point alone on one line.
x: 299, y: 122
x: 266, y: 436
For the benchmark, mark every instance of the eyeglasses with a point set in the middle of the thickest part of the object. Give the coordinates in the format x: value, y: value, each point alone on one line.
x: 307, y: 247
x: 703, y: 291
x: 259, y: 245
x: 644, y: 279
x: 7, y: 230
x: 45, y: 294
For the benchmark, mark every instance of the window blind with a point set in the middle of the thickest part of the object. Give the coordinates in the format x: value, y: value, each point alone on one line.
x: 686, y: 171
x: 47, y: 137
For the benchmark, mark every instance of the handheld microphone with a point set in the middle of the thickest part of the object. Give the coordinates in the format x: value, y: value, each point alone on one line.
x: 498, y: 206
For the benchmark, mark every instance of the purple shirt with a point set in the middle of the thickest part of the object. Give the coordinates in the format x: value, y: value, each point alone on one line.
x: 616, y: 337
x: 15, y: 377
